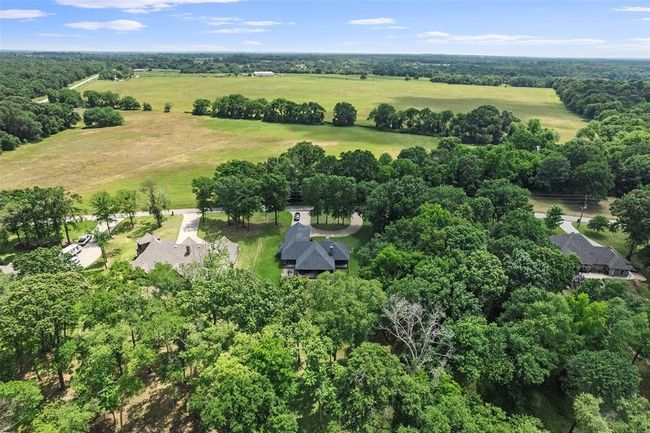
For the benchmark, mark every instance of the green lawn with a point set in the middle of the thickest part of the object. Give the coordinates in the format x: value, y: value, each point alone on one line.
x: 257, y: 243
x: 122, y: 243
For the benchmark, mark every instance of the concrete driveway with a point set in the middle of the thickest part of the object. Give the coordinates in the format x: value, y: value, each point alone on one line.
x: 89, y: 254
x: 190, y: 228
x: 356, y: 222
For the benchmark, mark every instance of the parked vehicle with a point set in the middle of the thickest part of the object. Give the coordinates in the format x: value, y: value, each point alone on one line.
x: 85, y: 239
x: 76, y: 260
x: 72, y: 249
x: 296, y: 216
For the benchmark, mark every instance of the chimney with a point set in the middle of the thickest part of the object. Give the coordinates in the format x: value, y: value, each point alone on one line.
x: 331, y: 249
x: 187, y: 250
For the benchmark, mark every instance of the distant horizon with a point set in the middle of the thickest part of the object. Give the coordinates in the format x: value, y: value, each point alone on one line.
x: 577, y: 29
x: 496, y: 56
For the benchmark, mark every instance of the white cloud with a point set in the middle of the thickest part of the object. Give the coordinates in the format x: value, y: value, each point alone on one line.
x: 135, y: 6
x: 372, y: 21
x: 237, y: 30
x: 433, y: 34
x: 59, y: 35
x: 22, y: 14
x: 262, y: 23
x: 632, y: 9
x: 397, y: 27
x: 251, y: 43
x: 436, y: 37
x: 645, y: 19
x: 642, y: 40
x: 117, y: 25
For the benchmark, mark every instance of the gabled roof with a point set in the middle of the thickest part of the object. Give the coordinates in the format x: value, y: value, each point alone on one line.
x: 339, y: 251
x: 590, y: 254
x: 315, y: 258
x: 296, y: 242
x: 174, y: 254
x: 147, y: 238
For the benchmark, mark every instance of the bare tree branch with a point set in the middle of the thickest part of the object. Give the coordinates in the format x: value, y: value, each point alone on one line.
x: 419, y: 331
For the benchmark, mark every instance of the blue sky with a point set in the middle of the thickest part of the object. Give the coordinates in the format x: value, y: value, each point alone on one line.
x: 584, y: 28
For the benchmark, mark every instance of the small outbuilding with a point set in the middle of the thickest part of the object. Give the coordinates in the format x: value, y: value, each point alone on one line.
x: 263, y: 74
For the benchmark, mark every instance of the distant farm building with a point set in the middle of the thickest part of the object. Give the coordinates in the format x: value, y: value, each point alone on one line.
x: 263, y: 74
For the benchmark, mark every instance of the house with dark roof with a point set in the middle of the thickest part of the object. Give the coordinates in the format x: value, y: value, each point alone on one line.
x: 150, y: 250
x: 593, y: 258
x: 303, y: 256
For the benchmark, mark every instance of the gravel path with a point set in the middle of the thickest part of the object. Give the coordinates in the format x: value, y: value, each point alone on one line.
x: 356, y: 222
x: 72, y: 86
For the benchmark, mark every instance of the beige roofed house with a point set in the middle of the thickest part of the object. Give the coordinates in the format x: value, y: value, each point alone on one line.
x: 151, y: 250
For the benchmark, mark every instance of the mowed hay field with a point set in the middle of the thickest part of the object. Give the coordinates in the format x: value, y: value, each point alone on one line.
x: 173, y: 148
x: 158, y: 87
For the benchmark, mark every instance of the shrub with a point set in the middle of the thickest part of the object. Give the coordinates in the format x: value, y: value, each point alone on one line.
x: 598, y: 223
x: 100, y: 117
x: 146, y: 106
x: 344, y: 114
x: 129, y: 103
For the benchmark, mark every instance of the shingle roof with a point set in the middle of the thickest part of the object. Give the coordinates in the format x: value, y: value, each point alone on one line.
x: 339, y: 251
x: 310, y: 255
x: 590, y: 254
x: 315, y: 258
x: 147, y: 238
x: 296, y: 242
x: 174, y: 254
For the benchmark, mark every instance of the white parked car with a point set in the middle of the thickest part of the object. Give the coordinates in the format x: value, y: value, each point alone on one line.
x: 72, y: 249
x: 75, y: 260
x: 85, y: 239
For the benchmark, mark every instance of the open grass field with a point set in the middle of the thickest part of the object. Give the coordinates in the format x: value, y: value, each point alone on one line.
x: 158, y: 87
x: 173, y: 148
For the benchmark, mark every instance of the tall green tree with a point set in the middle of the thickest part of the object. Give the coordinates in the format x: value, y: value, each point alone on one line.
x: 631, y: 212
x: 275, y: 191
x: 156, y: 200
x: 104, y: 208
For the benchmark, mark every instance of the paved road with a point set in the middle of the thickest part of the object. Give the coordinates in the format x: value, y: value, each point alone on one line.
x: 72, y: 86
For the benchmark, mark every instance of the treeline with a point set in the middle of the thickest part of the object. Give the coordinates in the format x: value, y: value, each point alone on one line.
x: 529, y: 158
x: 22, y: 120
x: 31, y: 76
x: 596, y: 98
x: 483, y: 125
x: 277, y: 111
x: 37, y: 216
x: 443, y: 68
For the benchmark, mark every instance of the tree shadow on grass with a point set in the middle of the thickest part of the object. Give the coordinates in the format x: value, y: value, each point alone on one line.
x: 158, y: 408
x: 213, y: 229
